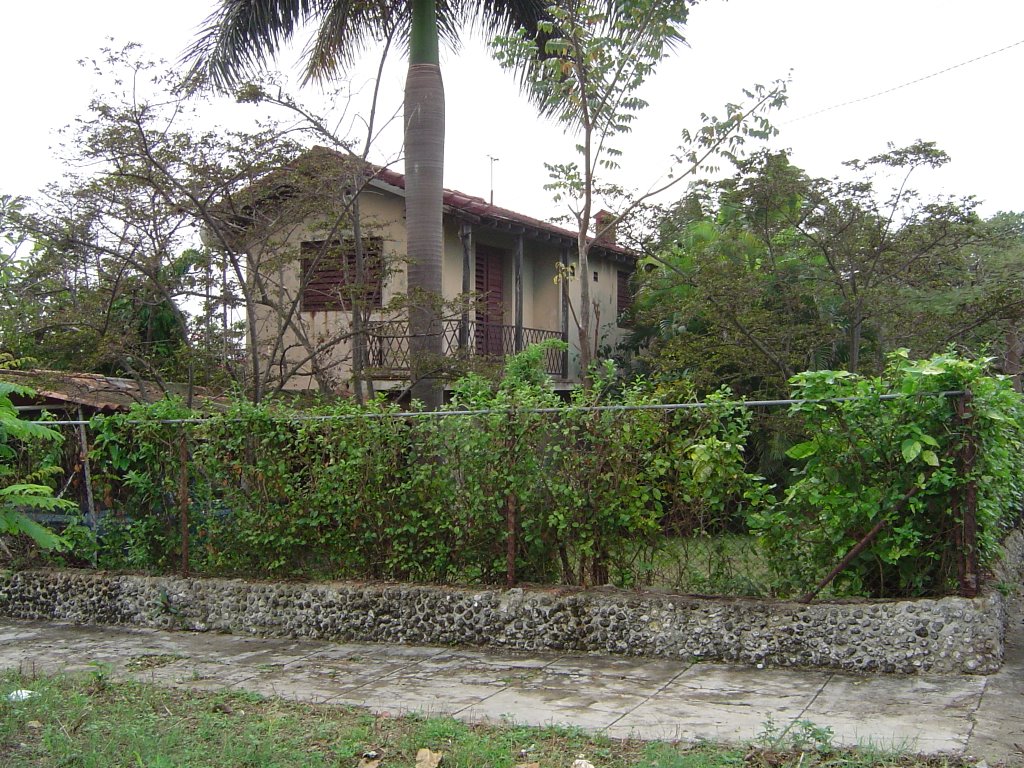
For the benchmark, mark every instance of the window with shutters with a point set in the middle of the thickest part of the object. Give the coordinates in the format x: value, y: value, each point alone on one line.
x: 623, y: 295
x: 329, y: 269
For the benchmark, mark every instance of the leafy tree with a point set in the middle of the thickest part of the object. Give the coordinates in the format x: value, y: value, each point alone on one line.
x: 242, y: 34
x: 12, y: 240
x: 593, y: 60
x: 980, y: 306
x: 102, y: 301
x: 144, y: 261
x: 771, y: 272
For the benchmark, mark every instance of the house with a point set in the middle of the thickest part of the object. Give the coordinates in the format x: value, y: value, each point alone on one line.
x: 507, y: 269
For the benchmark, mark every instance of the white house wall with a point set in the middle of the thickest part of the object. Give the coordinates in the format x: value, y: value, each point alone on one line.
x: 383, y: 215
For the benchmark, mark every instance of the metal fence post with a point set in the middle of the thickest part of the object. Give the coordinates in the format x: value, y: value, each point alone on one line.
x: 965, y: 532
x: 183, y: 497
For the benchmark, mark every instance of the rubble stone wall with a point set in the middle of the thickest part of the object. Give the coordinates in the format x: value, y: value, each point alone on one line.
x: 947, y: 635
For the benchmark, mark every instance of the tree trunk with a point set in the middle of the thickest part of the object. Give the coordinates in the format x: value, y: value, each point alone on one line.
x: 1014, y: 353
x: 357, y: 302
x: 586, y: 351
x: 856, y: 333
x: 424, y: 166
x: 583, y: 249
x: 254, y: 356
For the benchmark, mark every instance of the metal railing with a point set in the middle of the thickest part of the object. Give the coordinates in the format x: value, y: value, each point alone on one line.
x: 387, y: 344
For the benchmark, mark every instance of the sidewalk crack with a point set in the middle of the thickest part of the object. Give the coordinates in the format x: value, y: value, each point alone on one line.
x: 814, y: 698
x: 505, y: 687
x: 972, y: 716
x: 660, y: 690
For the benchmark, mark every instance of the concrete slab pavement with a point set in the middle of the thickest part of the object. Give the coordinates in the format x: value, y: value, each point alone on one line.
x: 641, y: 698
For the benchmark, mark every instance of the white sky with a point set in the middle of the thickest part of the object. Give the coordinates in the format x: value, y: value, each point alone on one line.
x: 835, y: 52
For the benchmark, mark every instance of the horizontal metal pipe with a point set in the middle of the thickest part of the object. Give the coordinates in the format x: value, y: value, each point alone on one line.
x: 562, y: 409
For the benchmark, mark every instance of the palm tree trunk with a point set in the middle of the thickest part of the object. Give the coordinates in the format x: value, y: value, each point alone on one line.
x: 424, y: 166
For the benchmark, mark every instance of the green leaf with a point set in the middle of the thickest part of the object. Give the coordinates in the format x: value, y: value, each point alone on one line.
x: 930, y: 458
x: 803, y: 450
x: 911, y: 450
x: 15, y: 522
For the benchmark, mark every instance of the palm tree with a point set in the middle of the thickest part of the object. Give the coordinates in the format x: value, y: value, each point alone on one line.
x: 242, y: 34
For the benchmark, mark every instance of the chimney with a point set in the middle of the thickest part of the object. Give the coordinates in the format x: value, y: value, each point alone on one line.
x: 604, y: 220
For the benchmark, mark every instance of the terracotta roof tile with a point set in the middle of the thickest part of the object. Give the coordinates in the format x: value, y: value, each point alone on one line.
x: 476, y: 206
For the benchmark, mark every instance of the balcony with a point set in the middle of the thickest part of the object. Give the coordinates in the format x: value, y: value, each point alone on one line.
x: 387, y: 345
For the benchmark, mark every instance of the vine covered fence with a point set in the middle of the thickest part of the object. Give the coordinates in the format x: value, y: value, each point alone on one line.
x: 899, y: 485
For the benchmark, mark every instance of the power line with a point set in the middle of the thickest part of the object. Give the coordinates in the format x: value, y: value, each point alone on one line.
x: 903, y: 85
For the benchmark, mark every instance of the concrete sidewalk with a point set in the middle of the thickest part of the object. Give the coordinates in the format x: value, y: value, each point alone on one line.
x: 645, y: 698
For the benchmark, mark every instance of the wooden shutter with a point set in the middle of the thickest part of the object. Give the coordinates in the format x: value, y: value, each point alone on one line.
x: 490, y: 291
x: 329, y: 273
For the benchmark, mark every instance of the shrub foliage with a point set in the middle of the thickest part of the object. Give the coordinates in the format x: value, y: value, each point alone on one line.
x: 511, y: 483
x: 898, y: 464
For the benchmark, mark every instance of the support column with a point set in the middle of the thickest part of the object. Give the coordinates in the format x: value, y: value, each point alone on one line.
x: 517, y: 268
x: 468, y: 252
x: 565, y: 309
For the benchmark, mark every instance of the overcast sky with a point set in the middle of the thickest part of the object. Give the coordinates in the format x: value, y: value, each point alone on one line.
x: 833, y: 53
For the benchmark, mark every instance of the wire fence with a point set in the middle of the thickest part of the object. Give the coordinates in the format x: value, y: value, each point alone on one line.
x: 528, y: 410
x: 651, y: 495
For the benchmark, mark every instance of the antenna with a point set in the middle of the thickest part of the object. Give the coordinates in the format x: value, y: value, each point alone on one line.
x: 493, y: 160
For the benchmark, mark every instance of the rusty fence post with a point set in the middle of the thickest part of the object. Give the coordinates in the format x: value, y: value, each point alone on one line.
x: 183, y: 497
x: 511, y: 515
x: 965, y: 511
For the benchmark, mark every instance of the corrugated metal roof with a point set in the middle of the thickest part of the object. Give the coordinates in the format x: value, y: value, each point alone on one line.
x: 93, y: 390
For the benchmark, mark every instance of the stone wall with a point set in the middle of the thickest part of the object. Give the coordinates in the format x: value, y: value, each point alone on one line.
x: 946, y: 635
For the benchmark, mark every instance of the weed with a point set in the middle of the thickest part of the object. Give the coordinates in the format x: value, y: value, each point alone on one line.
x: 99, y: 674
x: 73, y: 722
x: 151, y: 661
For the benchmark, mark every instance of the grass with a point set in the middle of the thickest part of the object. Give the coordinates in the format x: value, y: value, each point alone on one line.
x: 720, y: 564
x: 92, y: 721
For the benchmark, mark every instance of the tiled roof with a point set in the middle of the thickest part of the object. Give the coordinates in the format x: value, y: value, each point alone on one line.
x: 477, y: 207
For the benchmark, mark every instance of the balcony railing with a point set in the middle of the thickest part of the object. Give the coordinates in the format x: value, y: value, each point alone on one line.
x: 387, y: 345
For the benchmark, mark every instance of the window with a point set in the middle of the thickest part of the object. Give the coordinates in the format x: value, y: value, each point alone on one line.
x: 623, y: 294
x: 329, y: 270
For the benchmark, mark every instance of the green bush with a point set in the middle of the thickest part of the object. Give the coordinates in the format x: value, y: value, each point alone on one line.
x: 604, y: 488
x: 136, y: 471
x: 895, y: 461
x: 343, y: 490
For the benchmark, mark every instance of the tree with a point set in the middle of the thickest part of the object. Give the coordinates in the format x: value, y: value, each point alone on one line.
x: 594, y: 58
x: 242, y: 34
x: 161, y: 259
x: 772, y: 272
x: 982, y: 305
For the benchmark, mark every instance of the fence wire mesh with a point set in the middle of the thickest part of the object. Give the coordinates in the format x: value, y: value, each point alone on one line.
x: 655, y: 496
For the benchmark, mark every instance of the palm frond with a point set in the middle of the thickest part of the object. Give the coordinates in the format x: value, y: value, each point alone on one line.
x: 502, y: 17
x: 238, y: 38
x: 241, y: 36
x: 346, y: 28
